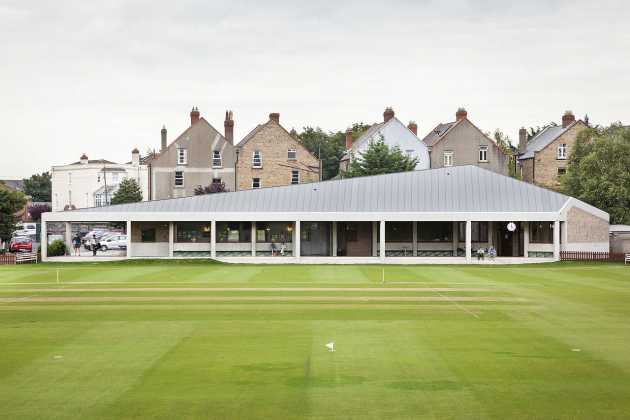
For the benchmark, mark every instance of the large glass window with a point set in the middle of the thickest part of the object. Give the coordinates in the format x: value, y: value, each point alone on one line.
x: 434, y: 232
x: 192, y: 232
x: 234, y: 232
x: 274, y: 232
x: 541, y: 232
x: 147, y: 235
x: 398, y: 231
x: 478, y: 231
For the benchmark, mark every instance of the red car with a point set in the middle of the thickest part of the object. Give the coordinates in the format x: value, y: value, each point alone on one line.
x: 21, y: 245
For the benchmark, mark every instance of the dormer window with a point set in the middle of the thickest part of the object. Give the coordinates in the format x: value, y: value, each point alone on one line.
x: 562, y: 151
x: 217, y: 162
x: 256, y: 159
x: 182, y: 156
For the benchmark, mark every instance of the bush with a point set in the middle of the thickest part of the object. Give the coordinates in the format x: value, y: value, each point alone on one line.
x: 56, y: 248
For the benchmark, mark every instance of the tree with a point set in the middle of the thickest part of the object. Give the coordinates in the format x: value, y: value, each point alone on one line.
x: 128, y: 191
x: 39, y: 187
x: 599, y: 171
x: 215, y: 187
x: 380, y: 159
x: 505, y: 145
x: 36, y: 210
x: 329, y: 147
x: 10, y: 203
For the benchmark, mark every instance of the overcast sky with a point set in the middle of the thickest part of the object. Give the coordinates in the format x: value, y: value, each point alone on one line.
x: 102, y: 77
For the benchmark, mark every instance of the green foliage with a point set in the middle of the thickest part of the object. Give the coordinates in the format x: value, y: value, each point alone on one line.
x: 39, y: 187
x: 128, y: 191
x: 380, y: 159
x: 10, y: 203
x: 329, y: 147
x: 599, y: 171
x: 56, y: 248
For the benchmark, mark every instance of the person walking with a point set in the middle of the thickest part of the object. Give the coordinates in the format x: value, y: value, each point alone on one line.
x: 93, y: 245
x: 76, y: 243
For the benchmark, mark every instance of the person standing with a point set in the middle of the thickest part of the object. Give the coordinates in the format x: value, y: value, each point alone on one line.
x: 93, y: 245
x: 76, y: 243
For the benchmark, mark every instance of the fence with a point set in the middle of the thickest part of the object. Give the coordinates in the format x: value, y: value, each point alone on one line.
x: 591, y: 256
x: 7, y: 259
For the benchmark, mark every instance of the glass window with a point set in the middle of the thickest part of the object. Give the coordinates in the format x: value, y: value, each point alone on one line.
x: 182, y: 156
x: 256, y: 183
x: 274, y: 232
x: 541, y: 232
x: 234, y: 232
x: 483, y: 153
x: 291, y: 154
x: 295, y: 177
x: 216, y: 180
x: 562, y: 171
x: 478, y: 231
x: 562, y: 151
x: 192, y: 232
x: 147, y: 235
x: 257, y: 159
x: 434, y: 232
x: 448, y: 158
x: 217, y: 162
x: 399, y: 231
x: 179, y: 179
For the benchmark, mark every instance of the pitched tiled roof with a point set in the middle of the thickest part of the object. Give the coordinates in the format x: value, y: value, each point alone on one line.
x: 544, y: 138
x: 437, y: 133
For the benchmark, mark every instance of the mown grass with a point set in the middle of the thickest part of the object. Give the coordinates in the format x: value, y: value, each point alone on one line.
x: 560, y: 351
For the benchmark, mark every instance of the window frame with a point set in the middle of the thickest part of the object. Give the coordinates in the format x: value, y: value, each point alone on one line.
x: 561, y: 147
x: 297, y: 180
x: 259, y: 183
x: 182, y: 156
x: 257, y: 156
x: 483, y: 153
x: 289, y: 151
x: 450, y: 155
x: 564, y: 171
x: 175, y: 179
x: 214, y: 159
x: 148, y: 231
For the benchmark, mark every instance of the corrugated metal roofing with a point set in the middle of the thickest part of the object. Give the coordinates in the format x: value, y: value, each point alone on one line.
x: 454, y: 189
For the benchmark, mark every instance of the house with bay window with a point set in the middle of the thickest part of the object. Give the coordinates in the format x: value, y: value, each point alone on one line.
x: 543, y: 159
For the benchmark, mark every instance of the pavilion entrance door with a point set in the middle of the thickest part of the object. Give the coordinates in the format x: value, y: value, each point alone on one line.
x: 509, y: 244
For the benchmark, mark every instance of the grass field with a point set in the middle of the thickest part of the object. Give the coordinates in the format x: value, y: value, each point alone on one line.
x: 186, y: 340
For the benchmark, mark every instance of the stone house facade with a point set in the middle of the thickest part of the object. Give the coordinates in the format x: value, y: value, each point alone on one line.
x: 461, y: 143
x: 544, y: 158
x: 200, y: 156
x: 269, y: 156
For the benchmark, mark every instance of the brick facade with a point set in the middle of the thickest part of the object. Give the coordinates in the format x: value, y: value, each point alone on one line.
x: 273, y: 142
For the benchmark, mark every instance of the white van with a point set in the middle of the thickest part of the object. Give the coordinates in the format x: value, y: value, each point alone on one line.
x: 26, y: 229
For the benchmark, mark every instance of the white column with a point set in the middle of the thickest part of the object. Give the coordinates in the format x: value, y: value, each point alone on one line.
x: 468, y: 241
x: 297, y: 240
x: 526, y: 239
x: 414, y: 236
x: 43, y: 241
x: 455, y: 238
x: 213, y: 239
x: 129, y: 254
x: 68, y: 238
x: 382, y: 240
x: 171, y: 239
x: 253, y: 239
x: 556, y: 240
x: 563, y: 236
x: 334, y: 239
x: 374, y: 239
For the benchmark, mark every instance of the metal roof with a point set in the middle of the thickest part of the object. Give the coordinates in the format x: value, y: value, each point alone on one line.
x: 453, y: 189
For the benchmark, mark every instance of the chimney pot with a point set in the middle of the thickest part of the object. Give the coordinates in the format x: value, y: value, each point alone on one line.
x: 163, y: 133
x: 194, y: 115
x: 84, y: 159
x: 567, y: 119
x: 413, y: 127
x: 349, y: 138
x: 388, y: 114
x: 274, y: 116
x: 228, y: 125
x: 135, y: 157
x: 461, y: 114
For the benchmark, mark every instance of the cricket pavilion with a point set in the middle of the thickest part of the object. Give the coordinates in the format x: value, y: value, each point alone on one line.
x: 431, y: 216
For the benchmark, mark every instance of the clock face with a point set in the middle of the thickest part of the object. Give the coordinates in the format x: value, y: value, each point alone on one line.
x: 511, y: 226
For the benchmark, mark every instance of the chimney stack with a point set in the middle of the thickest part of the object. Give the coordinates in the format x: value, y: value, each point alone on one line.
x: 388, y: 114
x: 567, y: 119
x: 84, y: 159
x: 413, y: 127
x: 293, y: 133
x: 274, y: 116
x: 228, y: 125
x: 349, y: 138
x: 522, y: 140
x: 194, y: 115
x: 163, y: 132
x: 461, y: 114
x: 135, y: 157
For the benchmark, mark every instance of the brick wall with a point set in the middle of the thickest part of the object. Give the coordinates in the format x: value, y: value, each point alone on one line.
x: 547, y: 163
x: 273, y: 141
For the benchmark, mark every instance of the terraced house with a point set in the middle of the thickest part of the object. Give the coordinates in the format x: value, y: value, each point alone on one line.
x: 543, y: 159
x: 270, y: 156
x: 461, y: 142
x: 199, y: 156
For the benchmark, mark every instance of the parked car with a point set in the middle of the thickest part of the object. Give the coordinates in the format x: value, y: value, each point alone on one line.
x: 21, y: 244
x: 26, y: 229
x: 116, y: 241
x: 96, y: 233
